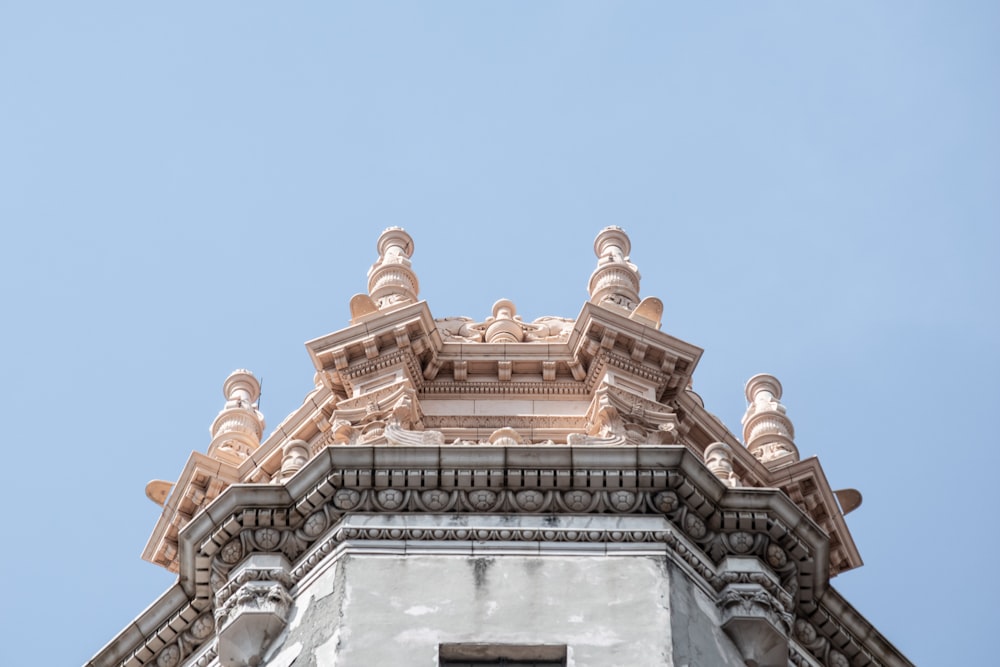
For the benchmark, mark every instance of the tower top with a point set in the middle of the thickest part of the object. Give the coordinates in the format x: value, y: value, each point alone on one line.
x: 561, y: 431
x: 398, y: 376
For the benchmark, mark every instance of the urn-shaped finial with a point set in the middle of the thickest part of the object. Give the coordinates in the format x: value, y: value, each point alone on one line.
x: 615, y: 281
x: 237, y: 430
x: 719, y: 459
x: 294, y: 455
x: 505, y: 326
x: 767, y: 430
x: 391, y: 280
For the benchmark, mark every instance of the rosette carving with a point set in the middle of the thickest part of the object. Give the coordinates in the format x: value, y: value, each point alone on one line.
x: 187, y: 642
x: 702, y: 536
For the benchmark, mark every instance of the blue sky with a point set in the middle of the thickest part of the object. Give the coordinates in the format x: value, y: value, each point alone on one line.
x: 190, y: 188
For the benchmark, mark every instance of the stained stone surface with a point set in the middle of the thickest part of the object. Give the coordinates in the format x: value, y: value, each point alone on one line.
x: 696, y: 638
x: 392, y: 610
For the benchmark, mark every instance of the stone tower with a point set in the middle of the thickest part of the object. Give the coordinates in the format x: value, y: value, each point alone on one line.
x: 487, y: 491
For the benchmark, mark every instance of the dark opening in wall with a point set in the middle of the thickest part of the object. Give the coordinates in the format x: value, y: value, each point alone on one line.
x: 508, y: 655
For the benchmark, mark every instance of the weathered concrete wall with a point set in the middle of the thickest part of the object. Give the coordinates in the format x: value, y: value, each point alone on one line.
x: 697, y: 639
x: 369, y: 610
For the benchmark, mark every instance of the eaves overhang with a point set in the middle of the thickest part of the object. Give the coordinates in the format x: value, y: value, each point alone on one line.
x: 711, y: 519
x: 803, y: 481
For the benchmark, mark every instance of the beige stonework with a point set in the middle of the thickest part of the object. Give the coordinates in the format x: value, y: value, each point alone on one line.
x: 427, y: 440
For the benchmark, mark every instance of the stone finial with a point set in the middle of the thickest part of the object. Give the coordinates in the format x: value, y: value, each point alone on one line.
x: 237, y: 430
x: 719, y: 459
x: 294, y: 455
x: 615, y: 281
x: 767, y: 430
x: 391, y: 280
x: 505, y: 436
x: 505, y: 326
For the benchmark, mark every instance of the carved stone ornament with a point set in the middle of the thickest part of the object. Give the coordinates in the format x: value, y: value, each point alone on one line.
x: 615, y: 281
x: 395, y: 435
x: 388, y: 415
x: 617, y: 413
x: 753, y: 560
x: 360, y: 468
x: 756, y: 611
x: 505, y: 326
x: 391, y: 280
x: 295, y: 454
x: 719, y: 459
x: 232, y: 568
x: 187, y: 642
x: 237, y: 430
x: 767, y: 430
x: 252, y: 609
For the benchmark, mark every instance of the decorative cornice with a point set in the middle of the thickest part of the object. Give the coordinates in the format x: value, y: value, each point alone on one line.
x: 703, y: 521
x: 201, y: 481
x: 527, y: 422
x: 804, y: 481
x: 610, y: 338
x: 529, y: 388
x: 408, y: 334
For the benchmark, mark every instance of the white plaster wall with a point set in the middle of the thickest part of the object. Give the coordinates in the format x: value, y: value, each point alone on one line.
x: 369, y: 610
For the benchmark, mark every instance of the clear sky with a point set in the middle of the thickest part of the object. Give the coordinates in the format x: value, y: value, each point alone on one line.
x: 189, y: 188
